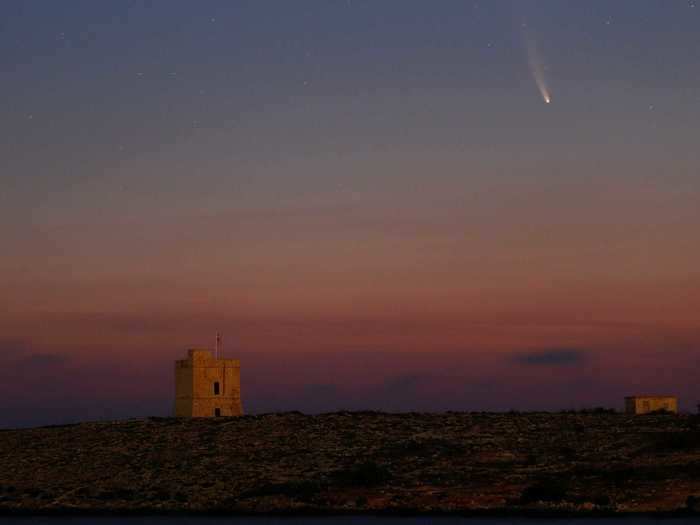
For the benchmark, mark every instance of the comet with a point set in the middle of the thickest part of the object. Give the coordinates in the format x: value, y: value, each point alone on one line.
x: 534, y: 60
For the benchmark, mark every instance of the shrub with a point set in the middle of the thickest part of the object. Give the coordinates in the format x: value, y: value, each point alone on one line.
x: 423, y: 448
x: 568, y: 453
x: 602, y: 500
x: 302, y: 490
x: 367, y: 474
x: 546, y: 491
x: 676, y: 441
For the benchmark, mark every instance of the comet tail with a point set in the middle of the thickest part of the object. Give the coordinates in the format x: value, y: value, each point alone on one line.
x: 537, y: 69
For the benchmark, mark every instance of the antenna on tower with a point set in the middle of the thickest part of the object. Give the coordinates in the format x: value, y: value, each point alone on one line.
x: 218, y: 344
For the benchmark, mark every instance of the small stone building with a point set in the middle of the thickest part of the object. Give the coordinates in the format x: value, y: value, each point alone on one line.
x: 206, y: 386
x: 646, y: 404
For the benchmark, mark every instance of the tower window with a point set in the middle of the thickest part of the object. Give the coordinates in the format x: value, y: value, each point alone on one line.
x: 217, y: 389
x: 217, y: 412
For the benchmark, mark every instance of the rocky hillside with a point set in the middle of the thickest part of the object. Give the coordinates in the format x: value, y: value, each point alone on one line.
x: 350, y: 462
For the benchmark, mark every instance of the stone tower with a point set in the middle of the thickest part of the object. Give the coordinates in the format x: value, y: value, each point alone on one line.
x: 207, y: 387
x: 647, y: 404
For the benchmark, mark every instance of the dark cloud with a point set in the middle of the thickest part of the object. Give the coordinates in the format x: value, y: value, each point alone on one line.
x: 11, y: 349
x: 552, y: 357
x: 21, y: 353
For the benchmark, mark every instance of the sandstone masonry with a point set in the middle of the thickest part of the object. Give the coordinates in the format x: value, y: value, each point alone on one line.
x: 206, y: 386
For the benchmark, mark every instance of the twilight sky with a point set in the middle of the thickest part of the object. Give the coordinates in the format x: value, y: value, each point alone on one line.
x: 369, y: 198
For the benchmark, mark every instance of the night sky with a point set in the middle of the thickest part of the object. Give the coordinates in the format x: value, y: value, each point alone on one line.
x: 371, y: 199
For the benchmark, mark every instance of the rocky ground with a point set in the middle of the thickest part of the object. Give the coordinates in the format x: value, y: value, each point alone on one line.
x: 357, y: 462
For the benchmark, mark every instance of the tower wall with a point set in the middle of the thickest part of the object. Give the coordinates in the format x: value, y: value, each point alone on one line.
x: 646, y: 404
x: 195, y: 391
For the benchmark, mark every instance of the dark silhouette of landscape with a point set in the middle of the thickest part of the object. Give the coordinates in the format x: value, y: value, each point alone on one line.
x: 585, y: 463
